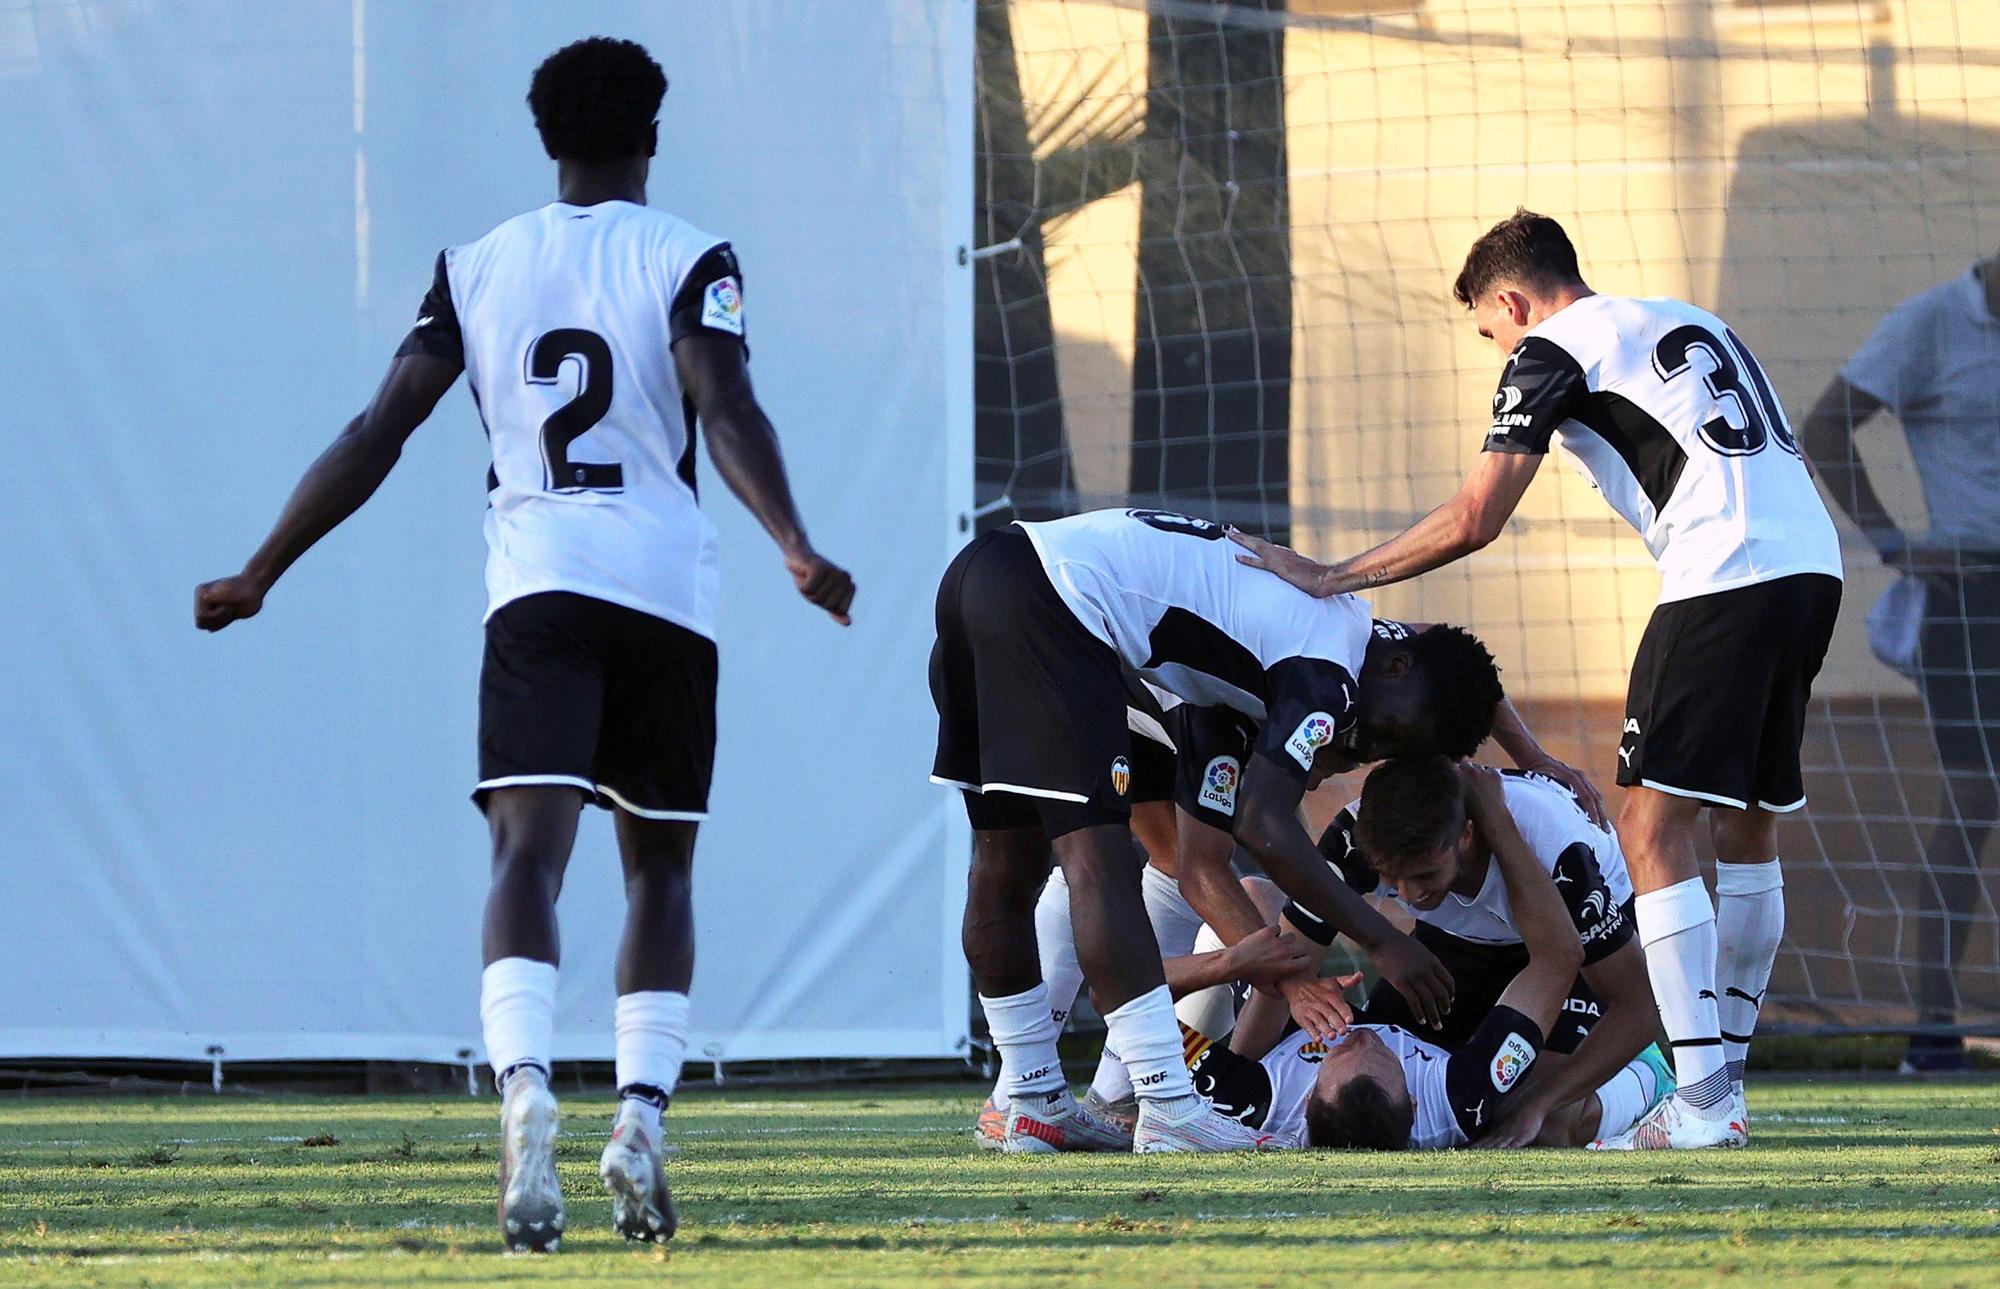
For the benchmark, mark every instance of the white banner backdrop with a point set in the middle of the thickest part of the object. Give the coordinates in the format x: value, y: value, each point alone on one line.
x: 220, y: 216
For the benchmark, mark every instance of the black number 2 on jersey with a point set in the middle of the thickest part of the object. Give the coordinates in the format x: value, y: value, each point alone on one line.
x: 573, y: 419
x: 1747, y: 413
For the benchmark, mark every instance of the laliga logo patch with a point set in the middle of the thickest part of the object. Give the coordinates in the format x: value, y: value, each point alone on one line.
x: 1313, y: 733
x: 722, y: 306
x: 1516, y: 1054
x: 1121, y: 776
x: 1218, y: 784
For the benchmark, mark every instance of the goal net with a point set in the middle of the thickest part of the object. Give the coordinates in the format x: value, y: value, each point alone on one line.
x: 1214, y: 249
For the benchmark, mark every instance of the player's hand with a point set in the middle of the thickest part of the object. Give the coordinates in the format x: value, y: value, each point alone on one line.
x: 1320, y: 1005
x: 1417, y: 975
x: 1523, y: 1127
x: 1484, y: 797
x: 1268, y: 955
x: 1578, y: 783
x: 823, y: 582
x: 1307, y: 574
x: 227, y: 600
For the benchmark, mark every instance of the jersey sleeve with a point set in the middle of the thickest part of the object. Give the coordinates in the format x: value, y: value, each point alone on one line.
x: 1312, y: 706
x: 1541, y: 388
x: 1239, y: 1086
x: 1491, y: 1066
x: 710, y: 298
x: 1210, y: 744
x: 1337, y: 845
x: 1897, y: 363
x: 1601, y: 921
x: 436, y: 330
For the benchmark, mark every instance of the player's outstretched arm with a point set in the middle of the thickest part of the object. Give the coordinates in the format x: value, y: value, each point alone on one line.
x: 1527, y: 753
x: 1267, y: 825
x: 1555, y: 951
x: 334, y: 487
x: 744, y: 447
x: 1262, y: 958
x: 1468, y: 522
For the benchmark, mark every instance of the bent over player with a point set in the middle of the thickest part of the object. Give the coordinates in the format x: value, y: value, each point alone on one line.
x: 1036, y: 622
x: 1672, y: 418
x: 596, y: 334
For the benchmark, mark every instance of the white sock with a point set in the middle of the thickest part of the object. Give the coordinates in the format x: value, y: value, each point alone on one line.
x: 1062, y: 976
x: 1176, y: 926
x: 1677, y: 928
x: 1024, y: 1034
x: 517, y: 1011
x: 652, y: 1040
x: 1749, y: 923
x: 1625, y: 1098
x: 1148, y: 1038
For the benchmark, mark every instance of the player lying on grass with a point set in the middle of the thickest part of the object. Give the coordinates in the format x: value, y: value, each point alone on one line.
x: 1036, y: 625
x: 1412, y: 834
x: 1381, y: 1086
x: 1187, y: 765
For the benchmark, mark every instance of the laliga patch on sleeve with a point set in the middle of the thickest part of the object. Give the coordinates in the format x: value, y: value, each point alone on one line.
x: 1313, y: 733
x: 722, y: 306
x: 1218, y: 785
x: 1516, y: 1054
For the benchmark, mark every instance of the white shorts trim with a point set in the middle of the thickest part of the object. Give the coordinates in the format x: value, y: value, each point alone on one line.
x: 1782, y: 810
x: 1709, y: 797
x: 1048, y: 793
x: 536, y: 781
x: 671, y: 816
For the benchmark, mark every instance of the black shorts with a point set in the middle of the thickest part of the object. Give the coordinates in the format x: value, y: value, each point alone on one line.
x: 580, y: 692
x: 1480, y: 973
x: 1717, y: 706
x: 1031, y: 707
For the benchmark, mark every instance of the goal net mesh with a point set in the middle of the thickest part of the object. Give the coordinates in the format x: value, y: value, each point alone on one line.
x: 1214, y: 249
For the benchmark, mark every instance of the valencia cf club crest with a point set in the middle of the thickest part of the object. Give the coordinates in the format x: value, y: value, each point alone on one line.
x: 1121, y: 776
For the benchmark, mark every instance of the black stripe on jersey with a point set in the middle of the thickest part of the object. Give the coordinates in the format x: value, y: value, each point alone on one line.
x: 1196, y: 643
x: 1540, y: 388
x: 685, y: 466
x: 1647, y: 448
x: 684, y: 314
x: 436, y: 331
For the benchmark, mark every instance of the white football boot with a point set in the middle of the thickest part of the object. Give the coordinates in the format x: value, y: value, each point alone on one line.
x: 1739, y: 1112
x: 989, y: 1131
x: 642, y: 1208
x: 1670, y: 1125
x: 1200, y: 1130
x: 531, y: 1204
x: 1058, y: 1123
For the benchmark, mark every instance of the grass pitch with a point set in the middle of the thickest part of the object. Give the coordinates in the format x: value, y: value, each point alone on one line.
x: 1847, y: 1182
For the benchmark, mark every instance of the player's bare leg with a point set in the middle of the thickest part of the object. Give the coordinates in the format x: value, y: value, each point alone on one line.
x: 655, y: 965
x: 1749, y: 924
x: 534, y: 829
x: 1677, y: 927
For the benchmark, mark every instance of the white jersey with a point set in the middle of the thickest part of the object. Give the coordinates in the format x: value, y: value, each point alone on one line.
x: 1167, y: 593
x: 566, y: 319
x: 1271, y: 1092
x: 1671, y: 417
x: 1584, y: 860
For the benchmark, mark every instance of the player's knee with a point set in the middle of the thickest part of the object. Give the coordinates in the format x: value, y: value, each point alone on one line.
x: 1749, y: 836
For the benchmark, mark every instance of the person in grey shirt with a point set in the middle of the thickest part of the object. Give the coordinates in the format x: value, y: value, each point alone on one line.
x: 1934, y: 362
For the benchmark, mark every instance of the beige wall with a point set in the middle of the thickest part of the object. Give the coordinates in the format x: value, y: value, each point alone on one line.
x: 1754, y: 158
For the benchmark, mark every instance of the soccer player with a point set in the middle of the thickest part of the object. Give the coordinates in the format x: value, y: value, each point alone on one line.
x: 597, y: 333
x: 1382, y: 1087
x: 1675, y: 423
x: 1036, y: 623
x: 1411, y: 834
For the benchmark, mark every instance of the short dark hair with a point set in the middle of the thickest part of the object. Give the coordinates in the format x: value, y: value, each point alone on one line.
x: 1362, y: 1115
x: 1526, y: 248
x: 1409, y: 808
x: 596, y: 100
x: 1463, y: 683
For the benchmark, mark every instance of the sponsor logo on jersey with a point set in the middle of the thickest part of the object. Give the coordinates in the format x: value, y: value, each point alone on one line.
x: 722, y: 306
x: 1505, y: 421
x: 1313, y: 733
x: 1516, y: 1054
x: 1507, y: 399
x: 1218, y: 784
x: 1121, y: 776
x: 1631, y: 726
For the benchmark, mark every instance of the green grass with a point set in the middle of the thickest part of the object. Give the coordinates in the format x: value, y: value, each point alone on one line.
x: 1872, y: 1184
